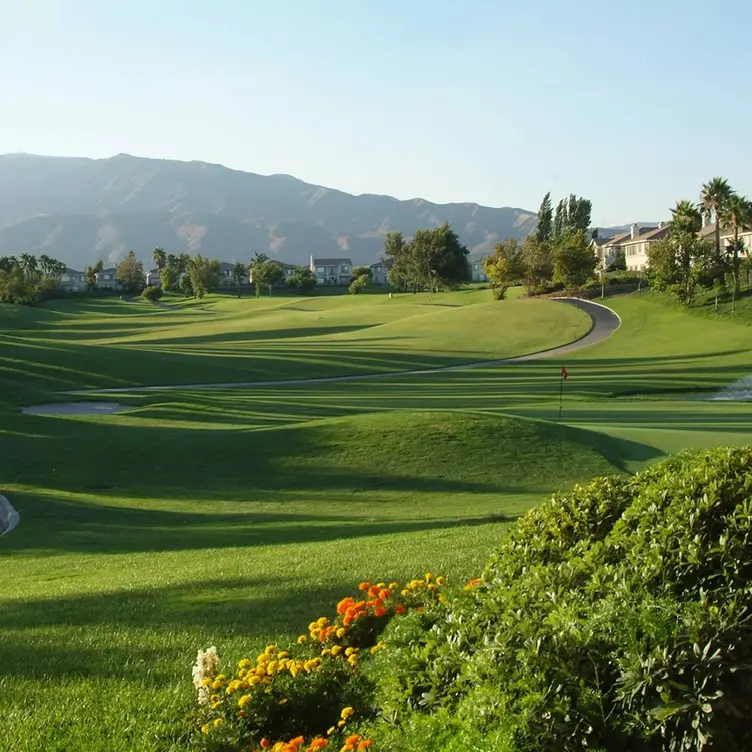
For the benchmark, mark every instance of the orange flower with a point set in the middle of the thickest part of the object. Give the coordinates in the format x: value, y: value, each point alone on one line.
x: 364, y: 586
x: 265, y: 743
x: 379, y: 611
x: 344, y: 604
x: 318, y: 743
x: 373, y: 591
x: 365, y: 744
x: 400, y: 609
x: 384, y: 594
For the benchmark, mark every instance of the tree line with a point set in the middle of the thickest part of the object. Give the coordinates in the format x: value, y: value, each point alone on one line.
x: 558, y: 254
x: 27, y: 279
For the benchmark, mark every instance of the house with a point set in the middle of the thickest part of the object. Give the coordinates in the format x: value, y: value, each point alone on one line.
x: 153, y: 278
x: 105, y: 280
x: 633, y: 245
x: 331, y: 271
x: 379, y: 272
x: 477, y: 273
x: 73, y: 281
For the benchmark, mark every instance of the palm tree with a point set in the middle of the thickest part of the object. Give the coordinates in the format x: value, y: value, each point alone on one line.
x: 713, y: 199
x: 737, y: 214
x: 686, y: 216
x: 28, y: 264
x: 160, y: 259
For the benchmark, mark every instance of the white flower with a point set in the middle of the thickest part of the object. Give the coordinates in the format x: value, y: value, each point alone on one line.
x: 205, y: 668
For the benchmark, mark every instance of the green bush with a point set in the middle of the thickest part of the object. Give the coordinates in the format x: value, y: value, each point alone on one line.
x: 615, y: 617
x: 152, y: 294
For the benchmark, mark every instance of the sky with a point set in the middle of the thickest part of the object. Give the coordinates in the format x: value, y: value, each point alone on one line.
x: 631, y: 104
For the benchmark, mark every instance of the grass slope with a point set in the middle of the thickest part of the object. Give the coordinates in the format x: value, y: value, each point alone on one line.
x: 130, y: 556
x: 228, y: 517
x: 110, y: 343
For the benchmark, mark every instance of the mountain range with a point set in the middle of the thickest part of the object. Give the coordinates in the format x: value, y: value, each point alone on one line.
x: 79, y: 210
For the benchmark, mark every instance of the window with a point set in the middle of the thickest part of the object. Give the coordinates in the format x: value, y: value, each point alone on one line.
x: 320, y: 269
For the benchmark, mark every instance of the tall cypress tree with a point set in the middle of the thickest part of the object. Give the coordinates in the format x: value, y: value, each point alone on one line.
x: 560, y: 219
x: 545, y: 219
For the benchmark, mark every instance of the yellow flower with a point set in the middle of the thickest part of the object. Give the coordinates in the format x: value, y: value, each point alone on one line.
x: 336, y: 650
x: 441, y: 580
x: 254, y: 680
x: 340, y: 724
x: 206, y: 682
x: 244, y: 700
x: 214, y: 698
x: 313, y: 625
x: 284, y: 654
x: 245, y: 663
x: 341, y: 632
x: 217, y: 722
x: 302, y: 639
x: 271, y: 667
x: 270, y: 649
x: 217, y: 684
x: 283, y: 701
x: 323, y: 621
x: 327, y: 651
x: 346, y: 713
x: 329, y: 731
x: 205, y: 728
x: 428, y: 577
x: 353, y: 659
x: 351, y: 651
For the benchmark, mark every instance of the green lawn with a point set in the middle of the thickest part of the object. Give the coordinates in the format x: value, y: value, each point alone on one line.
x: 111, y: 343
x: 229, y: 517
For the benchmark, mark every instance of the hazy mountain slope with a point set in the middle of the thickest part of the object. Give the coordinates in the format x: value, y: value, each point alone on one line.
x: 82, y: 209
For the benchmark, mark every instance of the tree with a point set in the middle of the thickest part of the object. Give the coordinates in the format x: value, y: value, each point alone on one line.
x: 713, y: 201
x: 574, y: 260
x: 303, y: 279
x: 130, y: 273
x: 680, y: 261
x: 29, y: 266
x: 186, y: 286
x: 397, y: 258
x: 273, y: 274
x: 505, y: 267
x: 359, y: 284
x: 572, y: 215
x: 168, y: 278
x: 204, y: 275
x: 239, y: 273
x: 438, y: 259
x: 257, y: 269
x: 160, y: 259
x: 544, y: 228
x: 686, y: 217
x: 737, y: 214
x: 618, y: 263
x: 152, y: 293
x: 360, y: 271
x: 537, y: 262
x: 91, y: 274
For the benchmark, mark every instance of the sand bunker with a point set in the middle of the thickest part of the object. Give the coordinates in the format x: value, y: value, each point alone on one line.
x: 8, y: 516
x: 75, y: 408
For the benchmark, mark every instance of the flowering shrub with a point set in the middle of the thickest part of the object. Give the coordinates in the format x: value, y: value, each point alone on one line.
x: 303, y: 697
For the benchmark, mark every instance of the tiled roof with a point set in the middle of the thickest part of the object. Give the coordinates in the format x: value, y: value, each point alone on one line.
x: 651, y: 233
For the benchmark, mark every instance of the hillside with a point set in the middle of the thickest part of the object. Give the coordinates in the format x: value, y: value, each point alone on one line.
x: 79, y: 210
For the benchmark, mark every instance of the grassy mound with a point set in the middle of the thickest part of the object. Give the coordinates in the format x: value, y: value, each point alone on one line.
x: 615, y: 617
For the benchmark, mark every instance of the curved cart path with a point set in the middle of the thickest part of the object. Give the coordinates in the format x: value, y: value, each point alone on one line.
x: 604, y: 323
x: 9, y: 517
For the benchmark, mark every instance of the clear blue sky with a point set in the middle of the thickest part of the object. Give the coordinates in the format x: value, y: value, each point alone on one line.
x: 632, y: 104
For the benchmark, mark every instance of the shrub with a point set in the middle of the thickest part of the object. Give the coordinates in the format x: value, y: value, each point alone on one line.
x: 302, y: 697
x: 618, y: 617
x: 152, y: 293
x: 359, y: 284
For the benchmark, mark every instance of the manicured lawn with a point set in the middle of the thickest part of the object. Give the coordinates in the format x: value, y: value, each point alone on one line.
x: 230, y: 517
x: 111, y: 343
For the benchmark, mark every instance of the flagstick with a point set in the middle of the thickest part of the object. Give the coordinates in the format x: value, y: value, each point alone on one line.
x: 561, y: 393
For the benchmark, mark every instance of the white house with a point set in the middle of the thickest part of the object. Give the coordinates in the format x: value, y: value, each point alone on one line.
x: 73, y: 281
x: 477, y: 273
x: 331, y: 271
x: 633, y: 245
x: 153, y: 278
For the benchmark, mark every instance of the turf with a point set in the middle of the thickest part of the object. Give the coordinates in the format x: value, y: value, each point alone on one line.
x: 111, y: 343
x: 229, y: 517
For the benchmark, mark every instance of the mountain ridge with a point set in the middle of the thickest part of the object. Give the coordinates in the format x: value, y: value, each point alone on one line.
x: 79, y: 209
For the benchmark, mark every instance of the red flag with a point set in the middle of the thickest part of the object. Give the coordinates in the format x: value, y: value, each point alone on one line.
x: 564, y: 373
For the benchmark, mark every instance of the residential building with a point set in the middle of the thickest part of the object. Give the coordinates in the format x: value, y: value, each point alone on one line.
x: 227, y: 275
x: 105, y: 280
x: 379, y: 272
x: 73, y: 281
x: 477, y: 273
x: 153, y: 278
x: 633, y: 245
x: 331, y: 271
